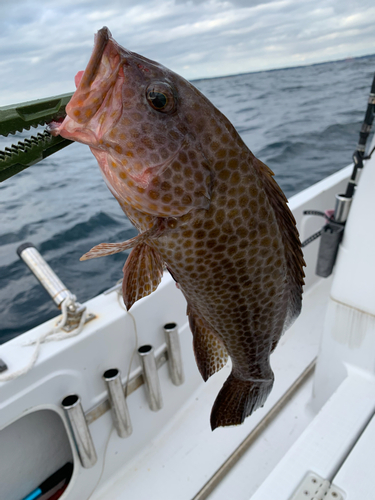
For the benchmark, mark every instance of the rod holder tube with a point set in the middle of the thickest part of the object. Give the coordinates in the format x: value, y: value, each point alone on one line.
x: 342, y: 208
x: 151, y: 377
x: 47, y: 277
x: 172, y: 339
x: 82, y: 436
x: 119, y: 408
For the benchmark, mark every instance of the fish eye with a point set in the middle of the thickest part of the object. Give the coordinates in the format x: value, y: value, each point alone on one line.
x: 161, y: 97
x: 157, y: 100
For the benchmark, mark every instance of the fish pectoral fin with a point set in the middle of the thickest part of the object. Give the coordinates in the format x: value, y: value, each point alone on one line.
x: 210, y: 352
x: 105, y: 249
x: 143, y: 271
x: 238, y: 399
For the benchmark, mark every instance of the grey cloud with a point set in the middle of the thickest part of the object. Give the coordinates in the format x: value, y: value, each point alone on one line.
x: 43, y: 44
x: 242, y: 3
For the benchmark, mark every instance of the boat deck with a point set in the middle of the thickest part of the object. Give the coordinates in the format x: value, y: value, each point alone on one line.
x: 172, y: 454
x: 204, y: 452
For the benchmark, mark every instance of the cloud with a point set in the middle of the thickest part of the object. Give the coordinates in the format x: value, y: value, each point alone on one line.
x: 43, y: 43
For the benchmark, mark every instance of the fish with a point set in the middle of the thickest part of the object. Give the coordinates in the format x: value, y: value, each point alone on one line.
x: 205, y: 208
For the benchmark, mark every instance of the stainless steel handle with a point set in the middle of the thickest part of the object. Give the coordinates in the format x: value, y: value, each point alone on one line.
x: 39, y: 267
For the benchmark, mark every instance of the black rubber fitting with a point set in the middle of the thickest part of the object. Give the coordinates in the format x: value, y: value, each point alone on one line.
x: 3, y: 366
x: 23, y: 247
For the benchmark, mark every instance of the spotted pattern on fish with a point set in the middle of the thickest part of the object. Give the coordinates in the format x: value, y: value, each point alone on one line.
x: 204, y: 206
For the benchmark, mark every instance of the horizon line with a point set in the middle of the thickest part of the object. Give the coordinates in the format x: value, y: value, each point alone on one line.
x: 349, y: 58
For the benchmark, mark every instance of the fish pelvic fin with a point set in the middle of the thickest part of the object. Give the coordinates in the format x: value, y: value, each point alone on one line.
x: 238, y: 399
x: 143, y: 272
x: 210, y: 352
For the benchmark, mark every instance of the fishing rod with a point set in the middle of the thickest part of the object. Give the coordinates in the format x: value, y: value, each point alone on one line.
x: 331, y: 234
x: 359, y: 153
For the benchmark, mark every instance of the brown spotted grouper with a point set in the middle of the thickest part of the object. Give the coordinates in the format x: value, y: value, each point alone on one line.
x: 204, y: 207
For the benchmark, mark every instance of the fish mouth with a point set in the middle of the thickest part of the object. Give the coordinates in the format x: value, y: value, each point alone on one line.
x: 101, y: 39
x: 94, y: 85
x: 85, y: 78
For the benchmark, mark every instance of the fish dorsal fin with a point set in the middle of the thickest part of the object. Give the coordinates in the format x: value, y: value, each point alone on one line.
x: 289, y: 235
x: 210, y: 352
x: 143, y: 271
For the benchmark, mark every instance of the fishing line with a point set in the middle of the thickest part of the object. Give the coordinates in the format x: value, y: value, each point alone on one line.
x: 104, y: 461
x: 122, y: 305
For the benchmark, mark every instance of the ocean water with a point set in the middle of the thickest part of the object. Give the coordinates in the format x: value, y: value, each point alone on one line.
x: 302, y: 122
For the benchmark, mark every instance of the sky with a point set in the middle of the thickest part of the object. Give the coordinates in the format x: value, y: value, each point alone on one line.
x: 43, y: 43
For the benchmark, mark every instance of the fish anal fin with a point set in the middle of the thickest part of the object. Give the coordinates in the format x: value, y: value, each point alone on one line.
x: 143, y: 272
x: 238, y: 399
x: 210, y: 352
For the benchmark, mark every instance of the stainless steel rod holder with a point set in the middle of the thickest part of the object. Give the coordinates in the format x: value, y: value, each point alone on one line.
x: 39, y: 267
x: 342, y: 208
x: 85, y: 446
x: 151, y: 377
x: 119, y: 408
x: 172, y: 340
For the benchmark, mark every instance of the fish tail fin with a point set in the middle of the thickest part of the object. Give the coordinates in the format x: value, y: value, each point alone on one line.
x: 238, y: 399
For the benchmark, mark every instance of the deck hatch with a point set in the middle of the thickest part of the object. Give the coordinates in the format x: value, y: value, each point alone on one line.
x: 314, y: 487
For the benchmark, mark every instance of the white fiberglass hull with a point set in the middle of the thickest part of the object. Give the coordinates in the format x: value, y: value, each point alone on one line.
x: 171, y: 453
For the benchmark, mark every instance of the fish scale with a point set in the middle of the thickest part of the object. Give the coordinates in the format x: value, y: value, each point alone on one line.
x: 204, y: 206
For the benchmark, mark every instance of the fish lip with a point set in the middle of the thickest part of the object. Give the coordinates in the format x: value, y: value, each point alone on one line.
x: 101, y: 39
